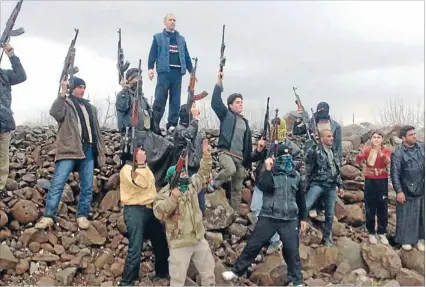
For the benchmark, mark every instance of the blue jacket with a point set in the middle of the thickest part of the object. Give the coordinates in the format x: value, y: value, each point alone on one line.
x: 160, y: 53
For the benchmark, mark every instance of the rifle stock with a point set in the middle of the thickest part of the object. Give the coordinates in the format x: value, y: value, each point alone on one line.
x: 8, y: 30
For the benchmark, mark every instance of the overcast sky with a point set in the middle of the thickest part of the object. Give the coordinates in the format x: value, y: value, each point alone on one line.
x: 350, y: 54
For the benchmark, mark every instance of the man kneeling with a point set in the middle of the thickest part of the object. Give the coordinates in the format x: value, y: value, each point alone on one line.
x: 283, y: 205
x: 180, y: 211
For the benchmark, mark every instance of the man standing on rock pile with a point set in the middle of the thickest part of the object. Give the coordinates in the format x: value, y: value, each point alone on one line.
x: 177, y: 206
x: 79, y: 146
x: 408, y: 180
x: 137, y: 196
x: 8, y: 78
x: 375, y: 160
x: 323, y: 179
x: 235, y: 142
x: 282, y: 208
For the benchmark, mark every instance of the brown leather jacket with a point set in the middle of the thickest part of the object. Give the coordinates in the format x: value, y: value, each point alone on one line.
x: 68, y: 139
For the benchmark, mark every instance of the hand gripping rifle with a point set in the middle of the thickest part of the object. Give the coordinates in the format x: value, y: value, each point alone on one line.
x: 222, y: 52
x: 191, y: 89
x: 121, y: 65
x: 69, y: 69
x: 8, y: 30
x: 135, y: 120
x: 305, y: 115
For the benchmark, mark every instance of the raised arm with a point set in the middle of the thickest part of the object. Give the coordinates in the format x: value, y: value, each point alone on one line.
x: 17, y: 75
x: 217, y: 103
x: 202, y: 176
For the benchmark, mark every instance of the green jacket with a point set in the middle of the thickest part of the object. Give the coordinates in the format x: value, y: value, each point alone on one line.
x: 182, y: 216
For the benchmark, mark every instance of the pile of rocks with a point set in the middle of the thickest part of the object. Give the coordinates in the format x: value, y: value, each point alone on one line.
x: 66, y: 256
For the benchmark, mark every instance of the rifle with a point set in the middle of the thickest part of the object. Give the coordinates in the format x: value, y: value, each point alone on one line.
x: 266, y: 126
x: 191, y: 89
x: 305, y: 115
x: 69, y: 69
x: 135, y: 121
x: 179, y: 167
x: 121, y: 65
x: 222, y: 52
x: 8, y: 30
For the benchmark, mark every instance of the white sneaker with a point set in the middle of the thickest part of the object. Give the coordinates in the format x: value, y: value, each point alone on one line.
x: 421, y: 245
x: 406, y: 247
x: 383, y: 239
x: 372, y: 239
x: 44, y: 223
x: 228, y: 275
x: 313, y: 213
x: 83, y: 223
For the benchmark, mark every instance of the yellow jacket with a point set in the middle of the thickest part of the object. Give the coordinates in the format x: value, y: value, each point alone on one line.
x: 142, y: 192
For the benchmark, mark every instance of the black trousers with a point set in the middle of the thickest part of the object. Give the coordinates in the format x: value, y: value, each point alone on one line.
x: 376, y: 203
x: 140, y: 222
x: 262, y: 233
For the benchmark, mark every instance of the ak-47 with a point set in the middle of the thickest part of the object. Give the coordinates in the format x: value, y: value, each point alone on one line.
x: 222, y: 52
x: 191, y: 89
x: 179, y: 167
x: 305, y: 115
x: 266, y: 126
x: 69, y: 69
x: 274, y: 137
x: 121, y: 65
x: 8, y: 30
x: 135, y: 120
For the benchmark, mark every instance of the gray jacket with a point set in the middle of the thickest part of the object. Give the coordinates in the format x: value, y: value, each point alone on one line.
x: 9, y: 78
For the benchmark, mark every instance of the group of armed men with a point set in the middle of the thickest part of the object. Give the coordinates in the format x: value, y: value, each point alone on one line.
x: 168, y: 205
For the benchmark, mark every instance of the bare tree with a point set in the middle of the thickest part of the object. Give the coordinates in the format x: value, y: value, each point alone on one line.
x: 401, y: 112
x: 44, y: 119
x: 106, y: 111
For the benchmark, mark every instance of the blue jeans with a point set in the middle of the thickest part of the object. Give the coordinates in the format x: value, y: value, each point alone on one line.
x: 256, y: 206
x: 171, y: 81
x: 63, y: 169
x: 315, y: 192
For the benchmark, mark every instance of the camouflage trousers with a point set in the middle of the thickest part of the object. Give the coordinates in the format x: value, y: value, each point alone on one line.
x: 200, y: 254
x: 4, y: 158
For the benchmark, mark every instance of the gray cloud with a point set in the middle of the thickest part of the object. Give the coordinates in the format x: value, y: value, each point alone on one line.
x: 328, y: 49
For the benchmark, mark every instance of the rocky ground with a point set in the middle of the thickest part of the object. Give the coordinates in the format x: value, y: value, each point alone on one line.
x: 65, y: 255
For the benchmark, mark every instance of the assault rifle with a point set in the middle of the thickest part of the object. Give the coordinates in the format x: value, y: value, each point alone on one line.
x: 266, y: 126
x: 305, y: 115
x: 222, y: 52
x: 121, y: 65
x: 179, y: 166
x: 8, y: 30
x: 135, y: 120
x: 274, y: 137
x: 191, y: 89
x: 69, y: 69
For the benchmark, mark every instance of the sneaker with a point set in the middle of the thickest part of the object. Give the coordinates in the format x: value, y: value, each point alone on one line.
x: 83, y: 223
x: 274, y: 247
x: 313, y: 213
x: 228, y: 275
x: 406, y: 247
x: 44, y: 223
x: 383, y: 239
x: 372, y: 238
x: 421, y: 245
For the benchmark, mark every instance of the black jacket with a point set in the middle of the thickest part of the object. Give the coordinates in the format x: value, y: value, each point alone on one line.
x: 408, y: 170
x: 195, y: 148
x: 9, y: 78
x: 337, y: 134
x: 318, y: 168
x: 227, y: 126
x: 283, y: 195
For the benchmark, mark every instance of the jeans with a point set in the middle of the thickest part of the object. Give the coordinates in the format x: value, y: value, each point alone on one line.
x: 329, y: 194
x: 264, y: 229
x: 63, y: 169
x: 141, y: 222
x: 256, y: 206
x: 376, y: 203
x: 168, y: 82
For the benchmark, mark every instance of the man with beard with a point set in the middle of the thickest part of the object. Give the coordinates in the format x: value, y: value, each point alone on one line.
x: 235, y: 142
x: 323, y: 179
x: 408, y: 179
x: 171, y: 56
x: 79, y: 146
x: 375, y: 159
x: 8, y: 78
